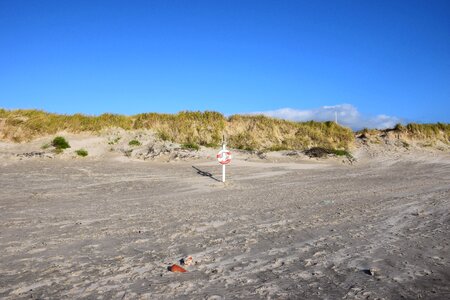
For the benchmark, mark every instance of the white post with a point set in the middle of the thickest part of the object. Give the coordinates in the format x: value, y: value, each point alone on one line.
x: 223, y: 173
x: 223, y: 166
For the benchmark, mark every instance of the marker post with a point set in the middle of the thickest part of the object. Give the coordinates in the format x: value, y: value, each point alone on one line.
x: 224, y: 158
x: 223, y: 166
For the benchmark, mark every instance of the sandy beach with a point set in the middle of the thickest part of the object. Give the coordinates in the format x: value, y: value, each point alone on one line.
x: 109, y: 229
x: 116, y: 118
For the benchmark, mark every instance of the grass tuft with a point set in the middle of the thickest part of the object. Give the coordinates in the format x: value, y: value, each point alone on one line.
x: 190, y: 146
x: 81, y: 152
x: 60, y: 143
x: 134, y: 143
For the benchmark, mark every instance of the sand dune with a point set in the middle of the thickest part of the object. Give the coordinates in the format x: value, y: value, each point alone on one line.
x: 102, y: 228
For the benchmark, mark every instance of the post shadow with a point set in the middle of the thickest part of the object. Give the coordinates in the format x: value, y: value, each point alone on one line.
x: 207, y: 174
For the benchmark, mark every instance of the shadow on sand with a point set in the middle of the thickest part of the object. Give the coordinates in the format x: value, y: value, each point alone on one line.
x: 203, y: 173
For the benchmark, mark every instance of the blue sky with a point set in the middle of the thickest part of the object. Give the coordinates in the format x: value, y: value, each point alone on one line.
x: 375, y: 59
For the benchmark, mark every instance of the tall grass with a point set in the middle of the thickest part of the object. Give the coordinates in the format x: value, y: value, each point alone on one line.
x: 438, y: 131
x: 204, y: 128
x: 23, y: 125
x: 413, y: 131
x: 264, y: 133
x: 200, y: 128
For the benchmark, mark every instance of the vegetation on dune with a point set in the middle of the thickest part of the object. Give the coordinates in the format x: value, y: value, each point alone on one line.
x: 188, y: 128
x: 114, y: 141
x: 23, y: 125
x: 60, y: 143
x: 437, y: 131
x: 339, y: 152
x: 261, y: 133
x: 429, y: 133
x: 202, y: 128
x: 134, y: 143
x: 81, y: 152
x: 190, y: 146
x: 323, y: 152
x: 206, y: 129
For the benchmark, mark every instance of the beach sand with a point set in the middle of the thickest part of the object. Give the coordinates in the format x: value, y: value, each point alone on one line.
x: 109, y: 229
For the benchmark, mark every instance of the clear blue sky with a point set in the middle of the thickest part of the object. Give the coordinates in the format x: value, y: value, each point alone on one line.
x: 383, y: 57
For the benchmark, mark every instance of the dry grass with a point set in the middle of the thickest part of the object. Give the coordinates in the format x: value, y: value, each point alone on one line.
x: 24, y: 125
x: 203, y: 128
x: 437, y: 131
x: 206, y: 129
x: 429, y: 134
x: 261, y: 132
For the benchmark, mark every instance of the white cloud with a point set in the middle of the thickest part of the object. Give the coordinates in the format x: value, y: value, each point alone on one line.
x: 347, y: 115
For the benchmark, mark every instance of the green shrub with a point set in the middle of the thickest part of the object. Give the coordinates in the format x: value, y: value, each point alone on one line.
x: 81, y: 152
x: 190, y: 146
x: 134, y: 143
x: 60, y: 143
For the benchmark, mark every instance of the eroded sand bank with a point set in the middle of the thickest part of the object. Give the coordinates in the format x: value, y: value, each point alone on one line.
x: 107, y: 229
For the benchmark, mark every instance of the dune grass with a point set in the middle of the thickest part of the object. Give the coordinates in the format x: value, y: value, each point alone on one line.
x: 24, y: 125
x: 204, y: 129
x: 189, y: 128
x: 428, y: 133
x: 264, y: 133
x: 438, y: 131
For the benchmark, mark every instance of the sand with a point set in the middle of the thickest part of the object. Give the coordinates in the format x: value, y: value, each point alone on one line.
x: 108, y: 228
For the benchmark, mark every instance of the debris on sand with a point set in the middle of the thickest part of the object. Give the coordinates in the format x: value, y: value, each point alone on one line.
x: 34, y: 154
x: 176, y: 269
x: 371, y: 271
x: 188, y: 261
x: 185, y: 261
